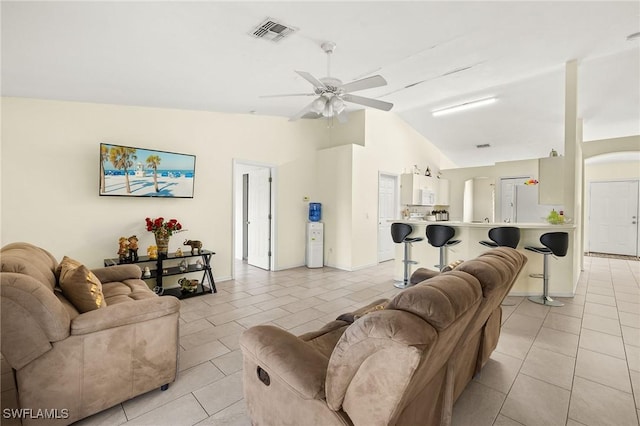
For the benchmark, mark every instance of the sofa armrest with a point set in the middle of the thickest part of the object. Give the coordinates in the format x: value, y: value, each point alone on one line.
x: 280, y: 353
x: 117, y: 273
x: 125, y: 313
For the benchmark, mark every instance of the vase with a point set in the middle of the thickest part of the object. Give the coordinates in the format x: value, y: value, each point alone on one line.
x: 163, y: 245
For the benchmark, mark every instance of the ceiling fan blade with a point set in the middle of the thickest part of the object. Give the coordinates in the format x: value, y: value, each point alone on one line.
x: 365, y: 83
x: 373, y: 103
x: 311, y: 79
x: 302, y: 112
x: 285, y: 95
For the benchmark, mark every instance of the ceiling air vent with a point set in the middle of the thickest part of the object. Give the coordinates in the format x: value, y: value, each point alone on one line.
x: 483, y: 145
x: 272, y: 30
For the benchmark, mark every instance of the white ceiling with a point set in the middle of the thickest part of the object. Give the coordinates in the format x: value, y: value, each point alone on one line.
x: 199, y: 55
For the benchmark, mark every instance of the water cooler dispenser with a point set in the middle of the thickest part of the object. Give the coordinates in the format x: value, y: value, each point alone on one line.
x: 315, y: 237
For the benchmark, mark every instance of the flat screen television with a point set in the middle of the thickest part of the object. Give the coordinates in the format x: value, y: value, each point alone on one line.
x: 136, y: 172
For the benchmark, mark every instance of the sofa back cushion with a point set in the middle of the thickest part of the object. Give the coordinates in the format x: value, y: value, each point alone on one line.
x: 495, y: 268
x: 440, y: 300
x: 25, y: 258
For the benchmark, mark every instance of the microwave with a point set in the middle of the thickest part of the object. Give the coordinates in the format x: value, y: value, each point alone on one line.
x: 427, y: 197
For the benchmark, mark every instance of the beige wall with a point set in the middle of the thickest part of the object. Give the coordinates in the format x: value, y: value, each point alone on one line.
x: 49, y: 177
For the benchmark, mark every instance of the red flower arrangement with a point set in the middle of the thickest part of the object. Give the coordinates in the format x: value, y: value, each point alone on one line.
x: 163, y: 229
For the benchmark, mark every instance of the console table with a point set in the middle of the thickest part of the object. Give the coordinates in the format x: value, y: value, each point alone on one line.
x: 162, y: 270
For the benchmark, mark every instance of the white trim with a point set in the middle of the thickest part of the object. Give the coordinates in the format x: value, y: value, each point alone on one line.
x: 235, y: 163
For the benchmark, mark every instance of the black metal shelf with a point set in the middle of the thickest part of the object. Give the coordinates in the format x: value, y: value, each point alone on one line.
x: 207, y: 284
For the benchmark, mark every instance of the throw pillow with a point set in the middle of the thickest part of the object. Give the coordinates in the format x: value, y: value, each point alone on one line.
x: 80, y: 286
x: 452, y: 266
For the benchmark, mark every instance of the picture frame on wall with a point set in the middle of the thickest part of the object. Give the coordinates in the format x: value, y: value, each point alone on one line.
x: 140, y: 172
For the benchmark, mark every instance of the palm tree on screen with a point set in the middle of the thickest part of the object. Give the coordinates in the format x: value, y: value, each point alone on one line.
x: 153, y: 161
x: 104, y: 155
x: 122, y: 158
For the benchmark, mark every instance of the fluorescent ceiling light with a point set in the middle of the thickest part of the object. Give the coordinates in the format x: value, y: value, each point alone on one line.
x: 461, y: 107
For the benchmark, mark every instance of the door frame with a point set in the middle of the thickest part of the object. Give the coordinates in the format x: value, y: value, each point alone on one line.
x: 587, y: 199
x: 396, y: 204
x: 239, y: 167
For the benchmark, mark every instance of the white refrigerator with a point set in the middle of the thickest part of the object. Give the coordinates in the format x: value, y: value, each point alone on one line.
x: 527, y: 209
x: 315, y: 245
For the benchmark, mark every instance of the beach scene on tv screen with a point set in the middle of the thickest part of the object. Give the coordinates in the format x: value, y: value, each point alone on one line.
x: 145, y: 173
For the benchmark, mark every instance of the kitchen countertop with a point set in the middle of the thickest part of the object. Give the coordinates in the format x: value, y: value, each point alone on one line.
x: 541, y: 225
x: 564, y: 271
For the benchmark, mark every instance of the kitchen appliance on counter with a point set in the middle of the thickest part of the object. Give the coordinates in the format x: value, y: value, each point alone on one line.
x: 440, y: 215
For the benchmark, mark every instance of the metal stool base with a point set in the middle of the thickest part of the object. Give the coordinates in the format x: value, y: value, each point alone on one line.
x: 401, y: 284
x: 545, y: 300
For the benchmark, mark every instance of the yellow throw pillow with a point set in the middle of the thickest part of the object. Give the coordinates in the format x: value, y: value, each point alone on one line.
x: 452, y: 266
x: 80, y: 286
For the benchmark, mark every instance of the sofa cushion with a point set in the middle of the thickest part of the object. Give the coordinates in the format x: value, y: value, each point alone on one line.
x: 126, y: 291
x: 495, y: 268
x: 80, y: 286
x: 441, y: 299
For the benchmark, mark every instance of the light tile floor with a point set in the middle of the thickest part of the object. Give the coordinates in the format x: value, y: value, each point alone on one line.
x: 574, y: 365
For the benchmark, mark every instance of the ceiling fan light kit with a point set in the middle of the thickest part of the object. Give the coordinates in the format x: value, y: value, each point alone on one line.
x: 332, y: 93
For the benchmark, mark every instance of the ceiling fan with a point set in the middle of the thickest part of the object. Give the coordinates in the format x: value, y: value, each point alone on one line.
x: 332, y: 93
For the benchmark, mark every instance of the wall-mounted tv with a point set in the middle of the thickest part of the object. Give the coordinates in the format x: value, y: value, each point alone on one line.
x: 137, y: 172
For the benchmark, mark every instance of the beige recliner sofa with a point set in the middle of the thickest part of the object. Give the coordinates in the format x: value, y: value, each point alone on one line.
x: 402, y: 361
x: 82, y: 363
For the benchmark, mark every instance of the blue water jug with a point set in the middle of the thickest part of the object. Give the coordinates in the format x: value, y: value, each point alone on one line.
x: 315, y: 212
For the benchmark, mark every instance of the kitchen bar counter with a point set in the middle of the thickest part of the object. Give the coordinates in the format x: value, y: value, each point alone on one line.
x: 564, y: 271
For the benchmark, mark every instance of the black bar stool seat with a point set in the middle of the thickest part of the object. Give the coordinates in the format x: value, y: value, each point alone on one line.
x: 400, y: 234
x: 441, y: 236
x: 554, y: 244
x: 503, y: 236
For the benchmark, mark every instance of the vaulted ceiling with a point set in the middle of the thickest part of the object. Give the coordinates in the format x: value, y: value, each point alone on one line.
x: 201, y: 55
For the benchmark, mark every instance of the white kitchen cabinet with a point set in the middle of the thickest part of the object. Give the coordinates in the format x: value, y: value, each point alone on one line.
x: 411, y: 187
x: 442, y: 196
x: 551, y: 180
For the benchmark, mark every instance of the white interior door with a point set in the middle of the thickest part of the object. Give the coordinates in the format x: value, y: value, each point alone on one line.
x: 613, y: 217
x: 387, y: 210
x: 259, y: 218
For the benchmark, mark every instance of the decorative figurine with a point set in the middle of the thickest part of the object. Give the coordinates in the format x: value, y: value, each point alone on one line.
x: 123, y: 250
x: 199, y: 264
x: 179, y: 252
x: 152, y: 252
x: 146, y: 273
x: 183, y: 265
x: 187, y: 285
x: 195, y: 244
x: 133, y: 248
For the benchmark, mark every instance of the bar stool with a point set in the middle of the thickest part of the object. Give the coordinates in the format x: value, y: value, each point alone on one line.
x: 441, y: 236
x: 503, y: 236
x: 400, y: 234
x: 556, y: 244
